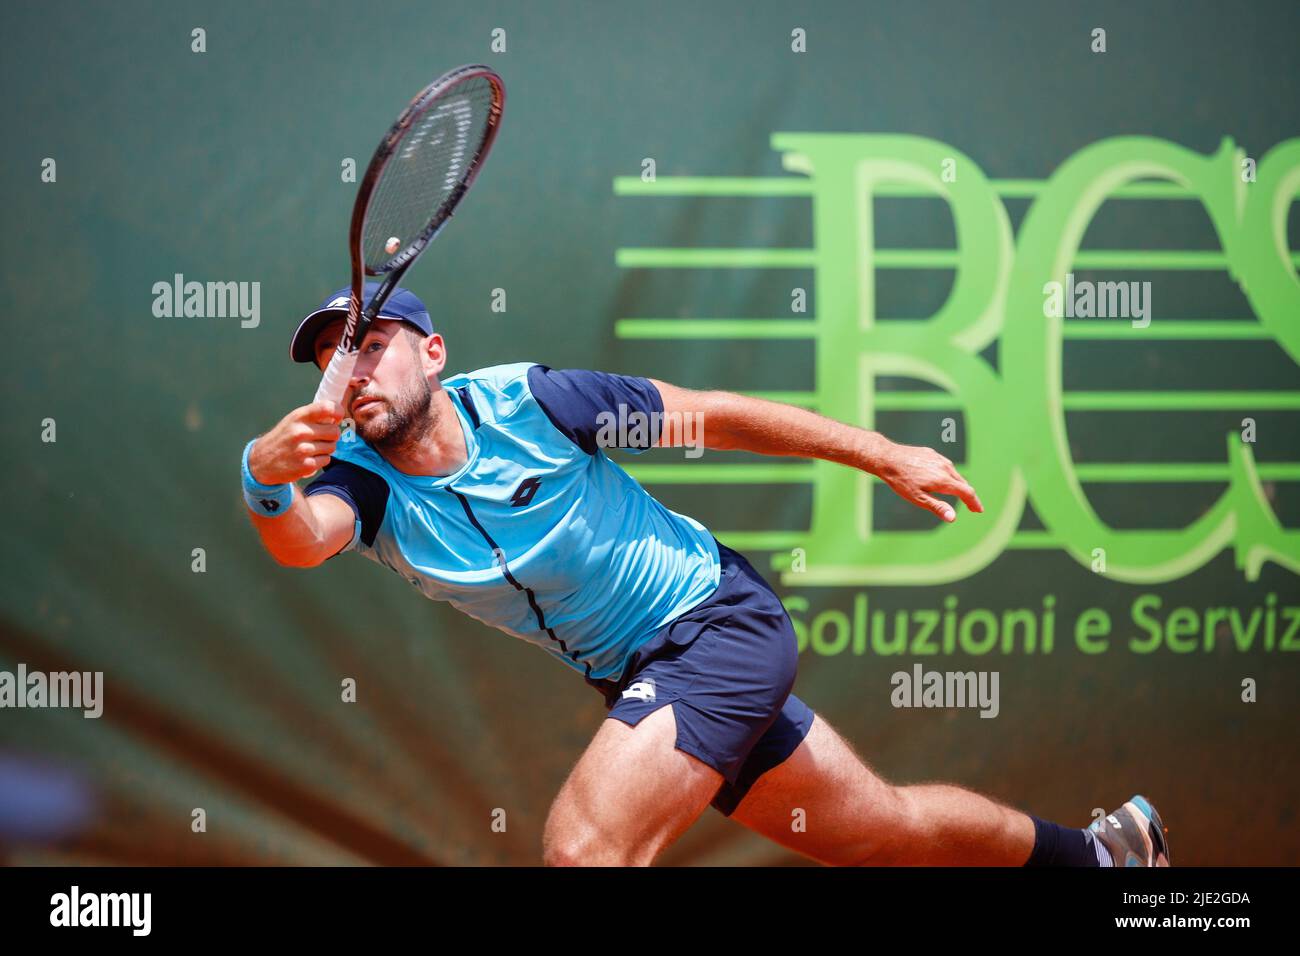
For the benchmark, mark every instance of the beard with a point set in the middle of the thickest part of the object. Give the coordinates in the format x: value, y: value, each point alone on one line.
x: 406, y: 420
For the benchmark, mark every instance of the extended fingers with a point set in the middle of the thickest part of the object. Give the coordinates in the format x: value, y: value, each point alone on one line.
x: 959, y: 486
x: 940, y: 508
x: 950, y: 482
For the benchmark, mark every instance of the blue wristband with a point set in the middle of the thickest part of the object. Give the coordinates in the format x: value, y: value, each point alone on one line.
x: 269, y: 501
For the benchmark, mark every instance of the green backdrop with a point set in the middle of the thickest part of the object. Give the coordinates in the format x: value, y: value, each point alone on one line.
x: 964, y: 155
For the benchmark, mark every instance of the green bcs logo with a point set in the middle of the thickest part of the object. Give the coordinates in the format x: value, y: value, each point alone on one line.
x: 1016, y: 437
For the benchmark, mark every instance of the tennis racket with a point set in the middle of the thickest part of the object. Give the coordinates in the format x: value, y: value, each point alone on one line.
x: 419, y: 174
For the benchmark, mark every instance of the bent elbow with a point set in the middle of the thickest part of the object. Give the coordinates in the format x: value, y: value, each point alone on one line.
x: 297, y: 559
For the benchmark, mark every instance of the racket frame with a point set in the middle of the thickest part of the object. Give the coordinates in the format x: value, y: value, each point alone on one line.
x: 338, y: 373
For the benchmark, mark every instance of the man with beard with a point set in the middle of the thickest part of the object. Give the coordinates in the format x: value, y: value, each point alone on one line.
x: 492, y: 491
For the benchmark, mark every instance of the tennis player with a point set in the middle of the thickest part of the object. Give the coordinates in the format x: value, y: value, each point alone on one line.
x: 492, y: 490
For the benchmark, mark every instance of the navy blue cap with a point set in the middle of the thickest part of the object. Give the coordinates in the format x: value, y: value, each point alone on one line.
x: 402, y: 306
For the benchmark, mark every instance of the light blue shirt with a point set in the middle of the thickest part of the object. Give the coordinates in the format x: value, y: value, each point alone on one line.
x: 539, y: 534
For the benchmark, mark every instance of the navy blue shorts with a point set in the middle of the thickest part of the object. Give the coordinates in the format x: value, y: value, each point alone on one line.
x: 727, y: 666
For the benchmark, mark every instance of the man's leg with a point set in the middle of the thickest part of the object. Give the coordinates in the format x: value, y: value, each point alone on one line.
x: 825, y: 802
x: 631, y: 794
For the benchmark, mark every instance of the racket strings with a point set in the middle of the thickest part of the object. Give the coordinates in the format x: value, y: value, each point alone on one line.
x: 427, y: 164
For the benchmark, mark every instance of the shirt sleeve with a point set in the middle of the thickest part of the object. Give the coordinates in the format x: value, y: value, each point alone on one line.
x: 364, y: 491
x: 596, y: 409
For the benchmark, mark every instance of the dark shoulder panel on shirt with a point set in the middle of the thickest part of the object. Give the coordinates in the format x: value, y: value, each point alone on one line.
x: 361, y: 488
x: 573, y: 398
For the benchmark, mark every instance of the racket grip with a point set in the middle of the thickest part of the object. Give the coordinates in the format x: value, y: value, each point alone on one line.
x: 334, y: 383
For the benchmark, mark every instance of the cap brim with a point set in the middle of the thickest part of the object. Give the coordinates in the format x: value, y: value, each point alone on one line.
x: 302, y: 345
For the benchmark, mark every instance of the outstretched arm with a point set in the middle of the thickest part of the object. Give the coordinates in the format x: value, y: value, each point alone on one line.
x: 732, y: 422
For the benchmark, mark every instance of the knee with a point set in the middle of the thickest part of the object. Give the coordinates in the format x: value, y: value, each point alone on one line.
x: 569, y: 851
x: 897, y: 826
x: 559, y: 847
x: 563, y: 853
x: 568, y: 841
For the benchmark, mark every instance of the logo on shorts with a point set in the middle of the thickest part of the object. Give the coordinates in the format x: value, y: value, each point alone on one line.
x: 641, y: 690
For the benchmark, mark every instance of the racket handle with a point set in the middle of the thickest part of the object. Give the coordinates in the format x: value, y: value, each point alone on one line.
x: 334, y: 383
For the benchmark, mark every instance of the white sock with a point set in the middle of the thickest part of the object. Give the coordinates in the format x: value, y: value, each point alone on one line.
x: 1103, y: 855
